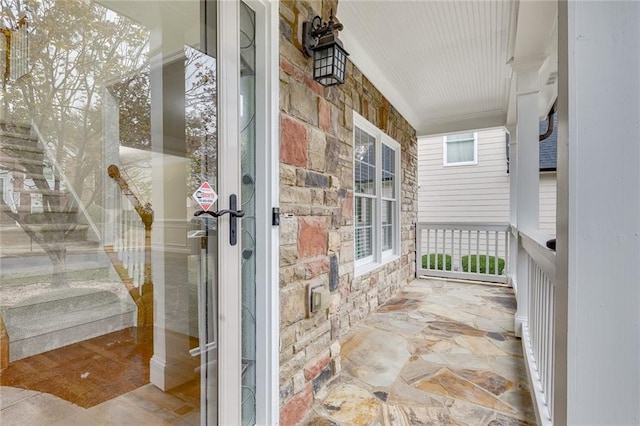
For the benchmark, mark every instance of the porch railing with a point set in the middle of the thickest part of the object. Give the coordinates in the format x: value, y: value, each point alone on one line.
x: 540, y: 328
x: 128, y: 245
x: 473, y: 251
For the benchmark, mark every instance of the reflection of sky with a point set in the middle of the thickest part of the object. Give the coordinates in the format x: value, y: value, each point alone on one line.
x: 200, y: 84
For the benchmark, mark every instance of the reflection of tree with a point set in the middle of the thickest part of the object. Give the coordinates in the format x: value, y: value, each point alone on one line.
x: 76, y: 48
x: 134, y: 102
x: 201, y: 117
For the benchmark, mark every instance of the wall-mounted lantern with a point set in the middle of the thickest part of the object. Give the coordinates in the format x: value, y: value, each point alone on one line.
x: 321, y: 41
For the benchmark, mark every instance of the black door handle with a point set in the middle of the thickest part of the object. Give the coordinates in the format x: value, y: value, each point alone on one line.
x: 233, y: 221
x: 233, y: 213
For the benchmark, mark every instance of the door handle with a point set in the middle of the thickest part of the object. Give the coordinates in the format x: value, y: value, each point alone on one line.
x: 233, y: 215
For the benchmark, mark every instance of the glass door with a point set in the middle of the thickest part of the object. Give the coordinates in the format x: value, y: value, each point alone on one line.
x: 226, y: 228
x: 128, y: 206
x: 248, y: 118
x: 219, y: 145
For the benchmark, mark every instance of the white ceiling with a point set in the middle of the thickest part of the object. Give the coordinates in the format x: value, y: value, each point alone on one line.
x: 444, y: 64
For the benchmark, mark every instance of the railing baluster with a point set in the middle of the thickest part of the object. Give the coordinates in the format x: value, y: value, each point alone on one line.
x: 552, y: 352
x: 459, y: 250
x: 136, y: 256
x: 486, y: 252
x: 496, y: 258
x: 132, y: 246
x: 534, y: 311
x: 444, y: 248
x: 477, y: 243
x: 116, y: 222
x: 477, y: 252
x: 453, y: 250
x: 436, y: 250
x: 540, y: 325
x: 507, y: 248
x: 544, y: 304
x: 428, y: 248
x: 469, y: 250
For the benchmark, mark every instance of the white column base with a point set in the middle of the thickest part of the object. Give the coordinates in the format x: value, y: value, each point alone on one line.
x: 518, y: 322
x: 168, y: 375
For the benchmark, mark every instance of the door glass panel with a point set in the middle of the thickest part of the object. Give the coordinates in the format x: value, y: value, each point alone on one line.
x: 108, y: 125
x: 248, y: 197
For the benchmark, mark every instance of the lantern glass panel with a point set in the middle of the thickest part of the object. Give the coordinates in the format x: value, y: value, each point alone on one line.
x: 330, y: 62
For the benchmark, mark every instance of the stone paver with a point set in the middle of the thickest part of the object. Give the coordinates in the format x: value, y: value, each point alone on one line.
x: 440, y: 353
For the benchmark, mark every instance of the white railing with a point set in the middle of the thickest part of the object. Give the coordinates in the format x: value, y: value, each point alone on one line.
x: 128, y: 239
x: 129, y: 233
x: 540, y: 328
x: 473, y: 251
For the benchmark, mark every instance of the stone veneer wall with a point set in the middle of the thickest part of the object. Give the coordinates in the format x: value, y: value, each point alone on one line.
x: 316, y: 205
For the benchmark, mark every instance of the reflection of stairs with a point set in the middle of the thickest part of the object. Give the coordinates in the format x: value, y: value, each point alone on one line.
x: 23, y: 159
x: 63, y: 316
x: 29, y: 239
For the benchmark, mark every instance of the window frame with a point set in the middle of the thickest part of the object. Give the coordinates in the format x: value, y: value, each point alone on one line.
x: 445, y: 143
x: 379, y: 256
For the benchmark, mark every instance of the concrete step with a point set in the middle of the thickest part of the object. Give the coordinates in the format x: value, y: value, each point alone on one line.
x: 63, y: 316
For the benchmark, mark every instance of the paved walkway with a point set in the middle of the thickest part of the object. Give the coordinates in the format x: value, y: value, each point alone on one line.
x: 440, y: 353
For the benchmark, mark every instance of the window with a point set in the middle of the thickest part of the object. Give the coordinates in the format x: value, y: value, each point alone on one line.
x: 376, y: 192
x: 461, y: 150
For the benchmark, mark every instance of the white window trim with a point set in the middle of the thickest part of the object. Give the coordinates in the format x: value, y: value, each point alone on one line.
x: 461, y: 163
x: 380, y: 257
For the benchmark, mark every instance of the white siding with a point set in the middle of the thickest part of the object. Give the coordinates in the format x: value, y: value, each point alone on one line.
x: 548, y: 203
x: 472, y: 193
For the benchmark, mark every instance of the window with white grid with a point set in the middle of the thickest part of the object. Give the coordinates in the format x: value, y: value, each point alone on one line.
x: 460, y: 149
x: 376, y: 189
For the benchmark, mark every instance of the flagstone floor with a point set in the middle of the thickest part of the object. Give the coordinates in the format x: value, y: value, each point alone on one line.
x: 440, y: 353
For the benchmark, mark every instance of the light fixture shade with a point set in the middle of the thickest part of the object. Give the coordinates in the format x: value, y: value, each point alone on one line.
x: 329, y: 61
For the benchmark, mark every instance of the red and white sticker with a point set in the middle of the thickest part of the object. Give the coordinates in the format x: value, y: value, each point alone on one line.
x: 205, y: 196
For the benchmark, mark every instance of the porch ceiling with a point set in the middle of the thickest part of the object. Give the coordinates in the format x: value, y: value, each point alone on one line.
x: 445, y: 64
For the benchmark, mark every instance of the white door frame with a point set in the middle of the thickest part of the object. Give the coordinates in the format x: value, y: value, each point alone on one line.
x: 229, y: 257
x: 267, y: 174
x: 268, y: 248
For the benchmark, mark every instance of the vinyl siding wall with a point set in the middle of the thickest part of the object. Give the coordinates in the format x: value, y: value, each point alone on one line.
x: 548, y: 203
x: 471, y: 193
x: 474, y: 193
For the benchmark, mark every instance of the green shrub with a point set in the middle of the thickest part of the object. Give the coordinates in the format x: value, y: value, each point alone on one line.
x: 483, y: 264
x: 432, y: 262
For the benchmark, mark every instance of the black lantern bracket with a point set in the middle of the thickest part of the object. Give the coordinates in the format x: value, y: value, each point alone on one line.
x: 315, y: 29
x: 320, y: 40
